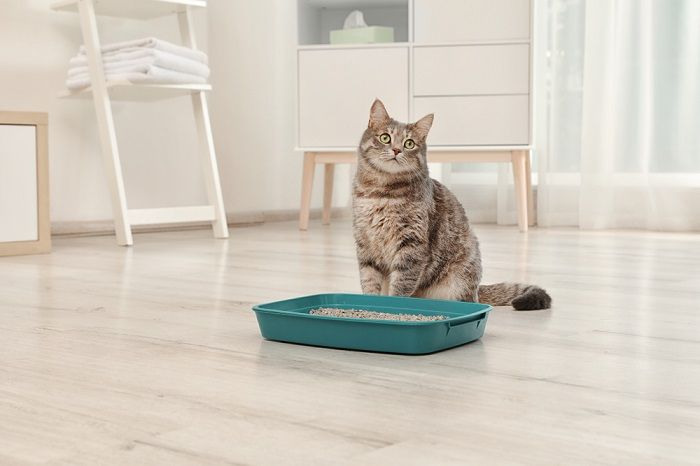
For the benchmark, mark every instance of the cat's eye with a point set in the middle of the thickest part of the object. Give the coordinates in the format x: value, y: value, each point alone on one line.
x: 384, y: 138
x: 409, y: 144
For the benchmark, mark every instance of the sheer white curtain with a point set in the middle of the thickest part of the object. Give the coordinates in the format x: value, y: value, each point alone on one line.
x: 617, y: 119
x: 618, y: 109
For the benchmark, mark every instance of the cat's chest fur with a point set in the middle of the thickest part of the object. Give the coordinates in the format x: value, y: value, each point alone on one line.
x: 381, y: 224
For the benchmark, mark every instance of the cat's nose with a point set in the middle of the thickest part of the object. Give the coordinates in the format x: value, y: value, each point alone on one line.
x: 396, y: 151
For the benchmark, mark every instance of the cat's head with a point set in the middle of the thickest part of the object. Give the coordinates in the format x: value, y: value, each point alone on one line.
x: 393, y: 147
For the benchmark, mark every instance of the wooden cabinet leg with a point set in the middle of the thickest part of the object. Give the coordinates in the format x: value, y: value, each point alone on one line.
x: 519, y: 169
x: 530, y: 193
x: 328, y: 192
x: 307, y: 183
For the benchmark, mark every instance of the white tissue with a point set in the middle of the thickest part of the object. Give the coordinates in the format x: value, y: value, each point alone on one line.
x: 355, y: 20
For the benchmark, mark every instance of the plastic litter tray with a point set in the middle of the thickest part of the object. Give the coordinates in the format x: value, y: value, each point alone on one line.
x: 290, y: 321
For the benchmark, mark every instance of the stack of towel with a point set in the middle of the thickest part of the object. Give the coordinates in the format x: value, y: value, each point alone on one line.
x: 148, y: 60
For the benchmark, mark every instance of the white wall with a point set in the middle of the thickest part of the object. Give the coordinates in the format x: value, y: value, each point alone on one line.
x: 252, y: 110
x: 252, y: 46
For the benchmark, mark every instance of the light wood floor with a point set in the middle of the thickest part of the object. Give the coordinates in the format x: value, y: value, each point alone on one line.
x: 151, y: 355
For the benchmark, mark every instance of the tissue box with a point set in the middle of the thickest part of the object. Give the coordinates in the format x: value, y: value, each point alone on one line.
x: 366, y: 35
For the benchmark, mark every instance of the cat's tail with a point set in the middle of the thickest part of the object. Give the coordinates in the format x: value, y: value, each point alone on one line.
x: 522, y: 297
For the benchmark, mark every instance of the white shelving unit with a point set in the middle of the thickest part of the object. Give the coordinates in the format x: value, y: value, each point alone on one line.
x: 103, y: 92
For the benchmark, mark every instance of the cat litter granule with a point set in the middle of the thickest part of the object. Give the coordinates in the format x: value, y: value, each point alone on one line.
x: 363, y: 314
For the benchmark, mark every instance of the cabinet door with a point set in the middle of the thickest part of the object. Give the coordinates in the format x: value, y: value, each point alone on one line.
x: 439, y: 21
x: 337, y: 88
x: 18, y: 184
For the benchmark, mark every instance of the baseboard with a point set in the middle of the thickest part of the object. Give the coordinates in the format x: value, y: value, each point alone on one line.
x: 236, y: 219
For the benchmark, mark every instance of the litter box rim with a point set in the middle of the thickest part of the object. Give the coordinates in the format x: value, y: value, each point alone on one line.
x: 480, y: 310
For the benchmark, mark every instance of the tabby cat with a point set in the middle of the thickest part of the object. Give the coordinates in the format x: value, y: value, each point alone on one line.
x: 412, y: 235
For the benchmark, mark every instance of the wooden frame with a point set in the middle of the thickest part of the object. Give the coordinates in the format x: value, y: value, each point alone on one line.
x: 518, y: 158
x: 43, y: 243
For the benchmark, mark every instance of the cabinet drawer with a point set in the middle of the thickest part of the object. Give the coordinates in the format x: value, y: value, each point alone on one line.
x: 337, y: 88
x: 438, y: 21
x: 469, y: 70
x: 476, y: 120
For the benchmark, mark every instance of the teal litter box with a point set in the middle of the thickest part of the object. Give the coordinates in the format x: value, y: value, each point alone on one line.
x: 290, y: 321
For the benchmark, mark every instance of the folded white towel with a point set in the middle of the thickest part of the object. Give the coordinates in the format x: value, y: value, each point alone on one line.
x: 137, y: 59
x: 148, y: 74
x: 151, y: 43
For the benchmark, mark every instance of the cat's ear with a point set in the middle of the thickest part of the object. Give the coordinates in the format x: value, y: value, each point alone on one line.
x: 378, y: 115
x: 422, y: 126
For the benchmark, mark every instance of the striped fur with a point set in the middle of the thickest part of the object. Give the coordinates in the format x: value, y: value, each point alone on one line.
x: 412, y: 235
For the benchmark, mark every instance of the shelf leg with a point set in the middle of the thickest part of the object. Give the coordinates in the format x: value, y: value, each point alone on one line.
x: 206, y: 142
x: 105, y: 122
x: 328, y: 192
x: 307, y: 184
x: 530, y: 194
x: 209, y: 165
x: 519, y: 168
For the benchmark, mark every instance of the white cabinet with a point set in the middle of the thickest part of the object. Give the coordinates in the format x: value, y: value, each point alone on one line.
x: 440, y: 21
x: 467, y: 61
x: 23, y: 184
x: 337, y: 87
